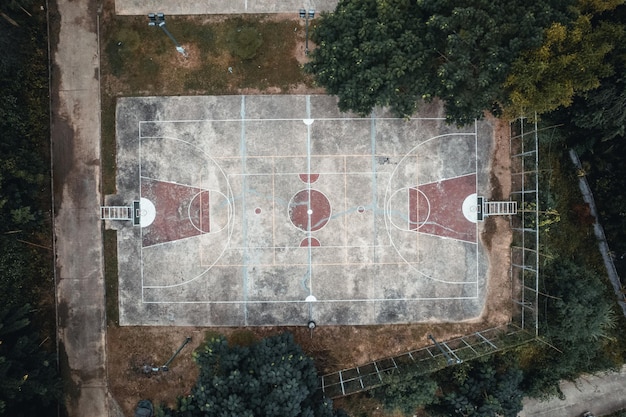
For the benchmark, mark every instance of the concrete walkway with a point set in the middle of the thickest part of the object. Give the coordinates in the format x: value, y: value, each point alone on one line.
x: 601, y: 394
x: 75, y: 136
x: 189, y: 7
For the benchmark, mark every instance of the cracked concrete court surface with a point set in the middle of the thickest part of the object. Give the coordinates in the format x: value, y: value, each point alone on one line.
x: 279, y: 210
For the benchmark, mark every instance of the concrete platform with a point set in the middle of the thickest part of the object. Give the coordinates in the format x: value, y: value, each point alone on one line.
x: 277, y: 210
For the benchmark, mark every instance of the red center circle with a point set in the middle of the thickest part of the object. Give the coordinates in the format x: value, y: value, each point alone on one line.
x: 309, y: 210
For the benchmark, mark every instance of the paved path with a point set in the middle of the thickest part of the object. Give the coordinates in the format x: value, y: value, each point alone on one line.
x: 139, y: 7
x: 602, y: 394
x: 75, y: 135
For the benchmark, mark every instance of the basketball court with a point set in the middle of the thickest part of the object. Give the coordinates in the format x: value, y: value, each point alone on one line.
x: 280, y: 210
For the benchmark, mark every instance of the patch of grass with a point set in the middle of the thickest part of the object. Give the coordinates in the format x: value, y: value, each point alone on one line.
x: 110, y: 277
x: 107, y: 144
x: 224, y: 56
x: 570, y: 238
x: 121, y: 49
x: 244, y: 42
x: 204, y: 35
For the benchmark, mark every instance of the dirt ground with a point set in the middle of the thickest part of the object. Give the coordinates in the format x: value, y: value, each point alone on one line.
x: 130, y: 349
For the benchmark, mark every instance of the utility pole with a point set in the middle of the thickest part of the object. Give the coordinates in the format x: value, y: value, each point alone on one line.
x: 158, y: 20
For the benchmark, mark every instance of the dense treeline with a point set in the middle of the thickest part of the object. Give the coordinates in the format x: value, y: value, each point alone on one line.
x: 595, y: 126
x: 29, y: 383
x: 508, y: 57
x: 578, y: 327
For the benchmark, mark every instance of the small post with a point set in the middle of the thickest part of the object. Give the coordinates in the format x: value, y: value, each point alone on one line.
x: 306, y: 15
x: 311, y: 325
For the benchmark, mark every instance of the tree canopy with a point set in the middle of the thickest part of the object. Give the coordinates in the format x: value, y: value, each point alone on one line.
x: 486, y: 387
x: 570, y: 61
x: 395, y: 53
x: 29, y: 381
x: 272, y: 377
x: 23, y: 122
x: 405, y: 392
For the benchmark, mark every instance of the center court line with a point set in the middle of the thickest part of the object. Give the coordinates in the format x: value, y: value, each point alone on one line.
x: 308, y: 171
x: 359, y: 119
x: 374, y: 203
x: 477, y: 231
x: 141, y: 228
x: 244, y: 228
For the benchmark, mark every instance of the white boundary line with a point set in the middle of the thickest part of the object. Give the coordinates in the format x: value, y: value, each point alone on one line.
x: 274, y: 174
x: 244, y: 228
x: 292, y: 119
x: 477, y: 231
x: 347, y: 300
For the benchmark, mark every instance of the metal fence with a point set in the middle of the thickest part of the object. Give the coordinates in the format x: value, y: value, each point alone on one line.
x: 525, y: 247
x: 422, y: 361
